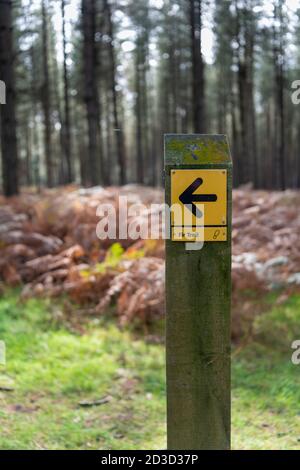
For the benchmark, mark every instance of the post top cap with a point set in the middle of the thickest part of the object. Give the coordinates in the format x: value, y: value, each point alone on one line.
x: 196, y: 149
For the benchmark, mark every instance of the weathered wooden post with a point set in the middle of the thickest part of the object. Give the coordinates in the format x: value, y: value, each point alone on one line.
x: 198, y: 170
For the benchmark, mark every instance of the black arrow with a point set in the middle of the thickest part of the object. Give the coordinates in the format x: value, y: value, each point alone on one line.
x: 188, y: 197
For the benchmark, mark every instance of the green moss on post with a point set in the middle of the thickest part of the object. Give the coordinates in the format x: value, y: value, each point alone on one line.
x: 198, y: 298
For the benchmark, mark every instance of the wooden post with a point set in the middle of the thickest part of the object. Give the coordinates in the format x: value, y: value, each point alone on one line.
x: 198, y: 296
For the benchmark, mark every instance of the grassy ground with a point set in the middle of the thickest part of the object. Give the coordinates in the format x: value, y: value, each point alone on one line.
x: 266, y: 385
x: 51, y: 372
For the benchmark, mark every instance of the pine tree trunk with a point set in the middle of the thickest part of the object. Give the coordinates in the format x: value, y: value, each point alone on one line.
x: 251, y: 122
x: 95, y: 168
x: 145, y: 120
x: 237, y: 177
x: 8, y: 113
x: 35, y: 131
x: 281, y: 127
x: 28, y: 161
x: 197, y: 66
x: 118, y: 128
x: 67, y: 126
x: 46, y: 99
x: 278, y: 52
x: 139, y: 134
x: 245, y: 28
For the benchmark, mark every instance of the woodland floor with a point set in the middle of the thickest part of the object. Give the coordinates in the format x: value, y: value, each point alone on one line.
x: 55, y: 376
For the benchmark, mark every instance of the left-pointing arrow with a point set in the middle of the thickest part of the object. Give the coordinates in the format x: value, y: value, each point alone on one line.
x: 188, y: 197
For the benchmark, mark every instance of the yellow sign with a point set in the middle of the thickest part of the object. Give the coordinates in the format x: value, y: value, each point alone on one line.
x: 199, y: 205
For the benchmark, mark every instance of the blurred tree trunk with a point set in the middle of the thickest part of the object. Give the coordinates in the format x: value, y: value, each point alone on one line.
x: 95, y: 167
x: 46, y: 98
x: 173, y: 71
x: 58, y: 162
x: 197, y: 66
x: 118, y: 128
x: 67, y: 143
x: 8, y: 113
x: 28, y: 162
x: 35, y: 139
x: 145, y: 115
x: 237, y: 175
x: 246, y: 39
x: 279, y: 58
x: 109, y: 139
x: 138, y: 112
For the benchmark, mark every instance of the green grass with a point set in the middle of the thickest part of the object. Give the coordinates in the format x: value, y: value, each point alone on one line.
x: 51, y: 369
x: 266, y: 385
